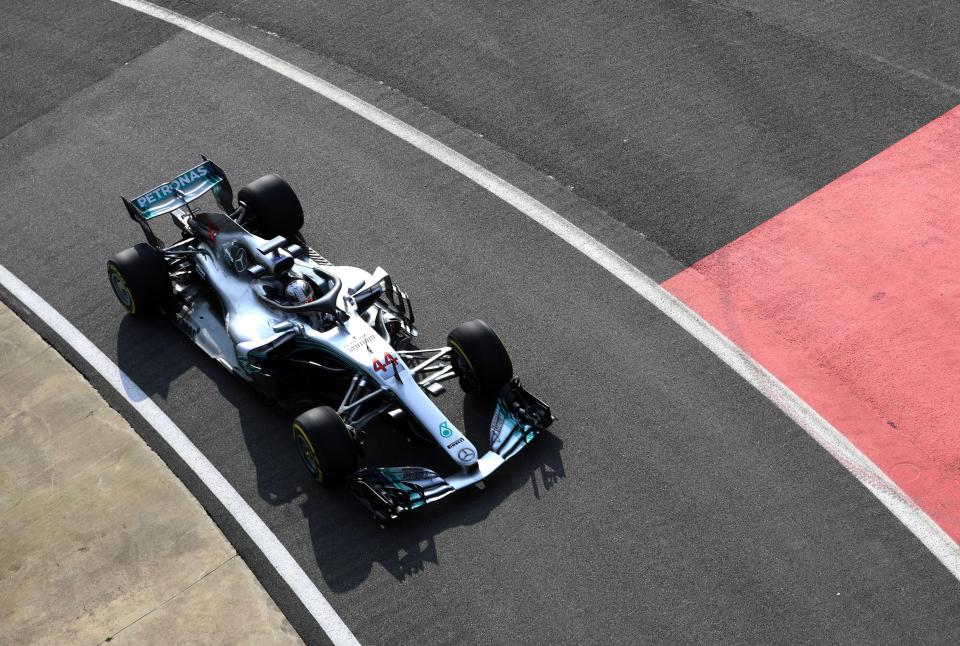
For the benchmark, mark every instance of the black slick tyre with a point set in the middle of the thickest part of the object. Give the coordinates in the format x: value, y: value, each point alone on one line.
x: 273, y: 206
x: 140, y: 279
x: 325, y: 445
x: 479, y: 358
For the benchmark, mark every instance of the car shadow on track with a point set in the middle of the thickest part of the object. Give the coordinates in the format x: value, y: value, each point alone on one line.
x: 346, y: 541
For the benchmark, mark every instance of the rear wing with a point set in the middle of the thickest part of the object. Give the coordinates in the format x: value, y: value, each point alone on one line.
x: 179, y: 192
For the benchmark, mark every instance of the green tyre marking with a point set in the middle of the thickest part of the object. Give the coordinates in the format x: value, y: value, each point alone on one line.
x: 307, y: 453
x: 120, y: 288
x: 463, y: 355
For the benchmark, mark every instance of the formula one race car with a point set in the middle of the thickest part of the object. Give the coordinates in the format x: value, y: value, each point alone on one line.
x: 244, y: 285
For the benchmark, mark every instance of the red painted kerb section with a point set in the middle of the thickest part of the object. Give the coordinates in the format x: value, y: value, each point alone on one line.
x: 852, y: 299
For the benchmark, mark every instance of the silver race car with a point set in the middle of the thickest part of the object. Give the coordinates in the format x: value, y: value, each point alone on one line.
x: 333, y: 340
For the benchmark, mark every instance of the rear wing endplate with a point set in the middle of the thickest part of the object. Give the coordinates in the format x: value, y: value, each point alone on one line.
x: 177, y: 193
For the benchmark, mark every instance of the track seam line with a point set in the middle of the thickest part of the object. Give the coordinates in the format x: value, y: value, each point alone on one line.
x: 834, y: 442
x: 923, y: 76
x: 268, y: 543
x: 168, y: 600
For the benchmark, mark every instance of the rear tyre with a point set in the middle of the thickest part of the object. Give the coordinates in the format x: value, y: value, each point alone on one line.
x: 479, y: 358
x: 140, y: 279
x: 273, y: 205
x: 325, y: 445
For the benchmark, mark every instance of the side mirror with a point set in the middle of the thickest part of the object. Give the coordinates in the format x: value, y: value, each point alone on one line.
x: 368, y: 296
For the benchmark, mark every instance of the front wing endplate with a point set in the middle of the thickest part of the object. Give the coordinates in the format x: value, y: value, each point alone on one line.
x: 389, y: 491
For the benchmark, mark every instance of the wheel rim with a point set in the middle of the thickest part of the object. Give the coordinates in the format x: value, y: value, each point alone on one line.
x: 463, y: 369
x: 121, y: 290
x: 307, y: 454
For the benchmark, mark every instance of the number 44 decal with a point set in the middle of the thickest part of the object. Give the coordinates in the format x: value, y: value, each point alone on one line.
x: 383, y: 366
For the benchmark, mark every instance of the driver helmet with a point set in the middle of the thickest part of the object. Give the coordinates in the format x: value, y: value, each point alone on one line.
x: 298, y: 291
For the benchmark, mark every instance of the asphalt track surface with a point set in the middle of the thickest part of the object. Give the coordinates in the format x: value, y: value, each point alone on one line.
x: 671, y: 503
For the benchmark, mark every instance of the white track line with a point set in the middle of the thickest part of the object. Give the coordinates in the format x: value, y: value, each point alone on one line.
x: 914, y: 518
x: 256, y: 529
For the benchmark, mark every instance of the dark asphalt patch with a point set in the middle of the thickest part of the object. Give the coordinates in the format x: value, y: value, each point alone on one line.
x: 51, y: 50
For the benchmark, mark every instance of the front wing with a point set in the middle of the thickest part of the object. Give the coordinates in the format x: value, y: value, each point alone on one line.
x: 389, y: 491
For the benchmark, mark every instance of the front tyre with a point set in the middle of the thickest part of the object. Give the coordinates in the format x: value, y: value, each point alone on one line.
x: 140, y: 279
x: 325, y: 445
x: 479, y: 358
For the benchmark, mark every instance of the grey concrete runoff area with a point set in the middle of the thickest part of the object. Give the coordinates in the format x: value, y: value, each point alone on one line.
x: 671, y: 503
x: 99, y: 541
